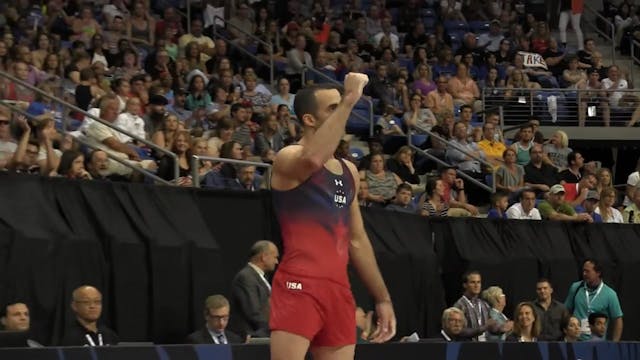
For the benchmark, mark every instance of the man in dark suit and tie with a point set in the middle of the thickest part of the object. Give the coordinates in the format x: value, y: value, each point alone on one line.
x: 250, y: 291
x: 216, y: 315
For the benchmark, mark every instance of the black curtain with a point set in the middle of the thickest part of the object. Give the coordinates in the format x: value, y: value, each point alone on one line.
x: 405, y: 252
x: 147, y: 248
x: 156, y: 253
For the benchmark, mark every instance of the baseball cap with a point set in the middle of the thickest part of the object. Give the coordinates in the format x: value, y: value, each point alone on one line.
x: 158, y: 100
x: 593, y: 195
x: 557, y: 188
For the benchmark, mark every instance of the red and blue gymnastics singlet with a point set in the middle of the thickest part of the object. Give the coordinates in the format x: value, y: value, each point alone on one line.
x: 311, y: 296
x: 315, y: 222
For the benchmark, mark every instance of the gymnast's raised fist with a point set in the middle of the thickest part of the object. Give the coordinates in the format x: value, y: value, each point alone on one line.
x: 354, y: 84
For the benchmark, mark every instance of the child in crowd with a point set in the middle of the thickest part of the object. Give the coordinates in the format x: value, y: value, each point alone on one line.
x: 499, y: 203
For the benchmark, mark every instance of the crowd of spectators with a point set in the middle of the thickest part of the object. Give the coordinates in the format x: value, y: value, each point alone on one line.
x: 534, y: 180
x: 162, y: 88
x: 478, y: 315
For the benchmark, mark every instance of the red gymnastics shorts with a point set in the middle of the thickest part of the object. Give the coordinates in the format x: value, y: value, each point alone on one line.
x: 320, y: 310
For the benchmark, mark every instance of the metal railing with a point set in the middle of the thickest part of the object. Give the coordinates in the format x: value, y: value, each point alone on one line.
x: 610, y: 37
x: 306, y: 68
x: 95, y: 118
x: 437, y: 160
x: 268, y: 46
x: 195, y: 168
x: 16, y: 109
x: 634, y: 59
x: 564, y: 107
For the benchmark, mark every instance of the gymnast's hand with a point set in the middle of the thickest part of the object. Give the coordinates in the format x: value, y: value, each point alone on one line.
x: 386, y: 324
x: 354, y: 84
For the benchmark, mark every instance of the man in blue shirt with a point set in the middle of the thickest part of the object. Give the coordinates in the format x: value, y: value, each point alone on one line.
x: 592, y: 295
x: 589, y: 206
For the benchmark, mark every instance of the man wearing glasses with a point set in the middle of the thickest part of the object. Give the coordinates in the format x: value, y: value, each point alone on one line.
x: 216, y: 316
x: 86, y: 303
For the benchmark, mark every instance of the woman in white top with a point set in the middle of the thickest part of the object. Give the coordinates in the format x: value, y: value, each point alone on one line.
x: 418, y: 116
x: 284, y: 96
x: 605, y: 207
x: 297, y: 58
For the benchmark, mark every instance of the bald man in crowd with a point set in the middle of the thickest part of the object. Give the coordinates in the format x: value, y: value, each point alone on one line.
x: 86, y: 304
x: 251, y: 291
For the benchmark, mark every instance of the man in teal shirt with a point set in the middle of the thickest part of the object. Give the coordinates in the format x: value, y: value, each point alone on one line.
x: 592, y: 295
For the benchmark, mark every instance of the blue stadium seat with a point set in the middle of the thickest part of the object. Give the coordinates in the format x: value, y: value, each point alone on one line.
x: 280, y: 66
x: 395, y: 14
x: 406, y: 63
x: 356, y: 153
x: 362, y: 105
x: 427, y: 13
x: 358, y: 124
x: 488, y: 179
x: 252, y: 48
x: 429, y: 22
x: 418, y: 139
x: 432, y: 4
x: 455, y: 25
x: 479, y: 27
x: 376, y: 103
x: 456, y: 41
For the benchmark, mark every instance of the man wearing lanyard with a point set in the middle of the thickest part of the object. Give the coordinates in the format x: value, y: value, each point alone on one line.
x: 592, y: 295
x: 87, y: 305
x: 476, y: 310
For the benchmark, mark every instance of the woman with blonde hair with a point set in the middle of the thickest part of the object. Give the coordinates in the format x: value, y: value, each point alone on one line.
x: 605, y: 207
x: 182, y: 148
x: 496, y: 298
x: 526, y: 327
x: 557, y: 150
x: 200, y: 147
x: 605, y: 180
x: 519, y: 80
x: 163, y: 137
x: 464, y: 89
x: 423, y: 80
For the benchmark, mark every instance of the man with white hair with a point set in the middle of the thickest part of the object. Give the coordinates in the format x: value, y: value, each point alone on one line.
x: 631, y: 213
x: 453, y: 321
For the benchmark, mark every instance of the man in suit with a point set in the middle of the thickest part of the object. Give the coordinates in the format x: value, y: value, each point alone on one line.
x: 250, y: 291
x: 216, y: 316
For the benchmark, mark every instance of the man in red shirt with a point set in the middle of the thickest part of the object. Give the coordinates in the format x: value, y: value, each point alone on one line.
x: 576, y: 193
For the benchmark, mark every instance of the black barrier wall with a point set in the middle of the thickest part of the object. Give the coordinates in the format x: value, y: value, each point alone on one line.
x: 156, y: 253
x: 405, y: 351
